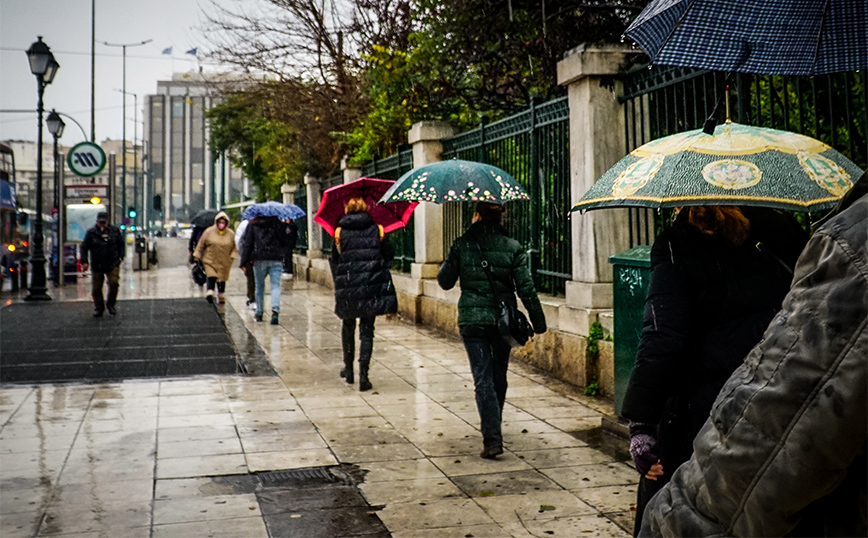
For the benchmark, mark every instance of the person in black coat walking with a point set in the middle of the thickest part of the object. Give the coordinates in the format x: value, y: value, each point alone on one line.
x: 264, y: 244
x: 363, y: 284
x: 104, y: 244
x: 718, y: 277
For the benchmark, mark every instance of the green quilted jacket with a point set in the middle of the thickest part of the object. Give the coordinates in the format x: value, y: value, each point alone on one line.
x: 508, y: 261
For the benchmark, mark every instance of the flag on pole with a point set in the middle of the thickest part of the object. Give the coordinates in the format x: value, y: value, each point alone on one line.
x: 192, y: 51
x: 167, y: 50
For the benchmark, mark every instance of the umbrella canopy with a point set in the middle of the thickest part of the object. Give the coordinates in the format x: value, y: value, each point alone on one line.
x: 738, y: 165
x: 273, y: 209
x: 456, y: 181
x: 390, y: 216
x: 204, y: 218
x: 770, y: 37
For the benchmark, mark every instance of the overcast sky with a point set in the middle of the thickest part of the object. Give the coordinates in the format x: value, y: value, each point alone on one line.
x: 65, y: 26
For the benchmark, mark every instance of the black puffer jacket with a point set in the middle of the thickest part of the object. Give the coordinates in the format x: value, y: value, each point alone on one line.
x: 708, y: 305
x: 264, y: 240
x: 363, y: 283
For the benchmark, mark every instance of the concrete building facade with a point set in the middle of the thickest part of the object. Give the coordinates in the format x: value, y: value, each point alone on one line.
x: 182, y: 175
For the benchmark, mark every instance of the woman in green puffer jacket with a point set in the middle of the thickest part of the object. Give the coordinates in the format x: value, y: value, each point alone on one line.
x: 478, y: 309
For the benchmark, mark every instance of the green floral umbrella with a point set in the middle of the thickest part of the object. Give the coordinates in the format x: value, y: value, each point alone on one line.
x: 738, y: 165
x: 455, y: 181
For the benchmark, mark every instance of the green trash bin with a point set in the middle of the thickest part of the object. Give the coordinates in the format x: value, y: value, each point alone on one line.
x: 631, y: 270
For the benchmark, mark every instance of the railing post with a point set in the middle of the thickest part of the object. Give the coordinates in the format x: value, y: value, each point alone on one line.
x: 314, y: 195
x: 350, y: 173
x: 425, y: 138
x: 596, y: 143
x: 536, y: 193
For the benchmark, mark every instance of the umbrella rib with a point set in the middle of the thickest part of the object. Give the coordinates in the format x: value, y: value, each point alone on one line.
x: 675, y: 27
x: 819, y: 38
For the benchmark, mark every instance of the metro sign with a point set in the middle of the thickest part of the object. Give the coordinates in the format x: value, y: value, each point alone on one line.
x: 86, y: 159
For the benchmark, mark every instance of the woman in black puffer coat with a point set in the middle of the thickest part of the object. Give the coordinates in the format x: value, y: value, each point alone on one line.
x: 363, y: 284
x: 718, y: 277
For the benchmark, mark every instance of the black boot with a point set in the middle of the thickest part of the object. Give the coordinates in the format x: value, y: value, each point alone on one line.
x: 349, y: 347
x: 365, y: 350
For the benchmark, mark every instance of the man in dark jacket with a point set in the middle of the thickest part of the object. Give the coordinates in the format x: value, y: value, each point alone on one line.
x: 784, y: 451
x: 479, y: 309
x: 105, y: 245
x: 291, y: 240
x: 264, y: 244
x: 363, y: 285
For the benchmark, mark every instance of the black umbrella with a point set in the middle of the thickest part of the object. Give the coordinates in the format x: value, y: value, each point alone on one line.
x: 770, y: 37
x: 204, y: 218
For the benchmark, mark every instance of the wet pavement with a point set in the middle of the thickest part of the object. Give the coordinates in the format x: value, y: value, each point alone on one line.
x: 195, y: 456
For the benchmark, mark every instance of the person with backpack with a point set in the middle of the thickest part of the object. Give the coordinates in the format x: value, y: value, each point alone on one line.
x: 363, y: 284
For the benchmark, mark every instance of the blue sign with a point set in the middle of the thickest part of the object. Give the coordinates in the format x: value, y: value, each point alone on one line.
x: 7, y: 195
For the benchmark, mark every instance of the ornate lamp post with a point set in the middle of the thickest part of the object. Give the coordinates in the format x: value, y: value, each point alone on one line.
x: 44, y: 66
x: 55, y: 127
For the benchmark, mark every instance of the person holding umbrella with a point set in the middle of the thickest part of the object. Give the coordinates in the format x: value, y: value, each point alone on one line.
x: 486, y: 248
x: 216, y: 250
x: 363, y: 284
x: 718, y: 276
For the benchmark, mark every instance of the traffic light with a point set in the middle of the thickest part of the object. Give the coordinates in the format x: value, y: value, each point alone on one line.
x: 131, y: 212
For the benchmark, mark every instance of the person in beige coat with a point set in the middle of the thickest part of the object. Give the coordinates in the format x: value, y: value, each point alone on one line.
x: 216, y: 250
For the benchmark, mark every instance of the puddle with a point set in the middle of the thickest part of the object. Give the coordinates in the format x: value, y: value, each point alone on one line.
x: 611, y: 445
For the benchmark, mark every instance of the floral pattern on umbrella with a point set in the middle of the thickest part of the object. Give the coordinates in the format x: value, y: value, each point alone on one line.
x: 456, y: 181
x: 738, y: 165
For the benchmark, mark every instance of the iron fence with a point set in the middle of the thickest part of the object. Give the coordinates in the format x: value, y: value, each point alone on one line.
x: 666, y: 100
x: 393, y: 167
x: 301, y: 244
x: 328, y: 241
x: 533, y: 146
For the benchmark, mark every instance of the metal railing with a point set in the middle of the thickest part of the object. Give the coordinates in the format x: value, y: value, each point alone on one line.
x: 301, y: 201
x: 393, y: 167
x: 666, y: 100
x: 533, y: 146
x: 328, y: 241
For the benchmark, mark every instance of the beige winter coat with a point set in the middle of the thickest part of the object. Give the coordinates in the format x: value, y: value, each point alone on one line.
x: 216, y: 249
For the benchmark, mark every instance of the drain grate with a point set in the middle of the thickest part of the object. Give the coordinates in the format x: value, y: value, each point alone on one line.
x: 297, y: 478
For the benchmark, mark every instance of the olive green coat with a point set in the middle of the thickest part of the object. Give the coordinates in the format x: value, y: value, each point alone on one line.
x: 508, y: 261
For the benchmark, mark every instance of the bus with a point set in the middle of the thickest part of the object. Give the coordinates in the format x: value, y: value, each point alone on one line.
x: 10, y: 241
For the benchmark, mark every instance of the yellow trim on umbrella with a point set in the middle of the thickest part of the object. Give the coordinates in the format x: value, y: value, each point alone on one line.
x: 789, y: 201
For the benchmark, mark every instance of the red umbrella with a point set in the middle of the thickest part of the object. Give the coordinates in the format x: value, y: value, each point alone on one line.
x: 390, y: 216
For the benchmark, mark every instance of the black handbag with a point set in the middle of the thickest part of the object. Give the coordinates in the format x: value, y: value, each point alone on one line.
x: 199, y: 274
x: 512, y: 324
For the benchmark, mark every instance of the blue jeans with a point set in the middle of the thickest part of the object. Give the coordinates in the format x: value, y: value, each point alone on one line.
x: 273, y: 269
x: 489, y: 359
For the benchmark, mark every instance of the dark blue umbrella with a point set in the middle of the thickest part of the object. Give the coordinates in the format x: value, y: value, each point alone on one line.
x: 769, y: 37
x: 273, y: 209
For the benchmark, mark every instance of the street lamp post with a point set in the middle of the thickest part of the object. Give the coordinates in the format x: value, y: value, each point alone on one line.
x: 44, y: 66
x: 124, y: 128
x: 55, y: 127
x: 135, y: 220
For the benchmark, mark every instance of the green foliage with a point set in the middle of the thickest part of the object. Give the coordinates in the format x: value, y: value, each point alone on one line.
x: 593, y: 388
x: 260, y: 146
x: 595, y: 333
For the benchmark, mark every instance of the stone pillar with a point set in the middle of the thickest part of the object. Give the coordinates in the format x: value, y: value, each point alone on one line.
x: 351, y: 173
x: 425, y: 137
x: 597, y: 142
x: 314, y: 232
x: 287, y: 192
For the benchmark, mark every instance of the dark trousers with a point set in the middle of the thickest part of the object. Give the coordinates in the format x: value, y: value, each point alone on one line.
x: 221, y: 286
x: 251, y: 284
x: 366, y: 341
x: 98, y: 280
x: 489, y: 360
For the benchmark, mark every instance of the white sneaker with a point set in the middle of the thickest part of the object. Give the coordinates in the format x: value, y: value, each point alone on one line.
x: 252, y: 306
x: 285, y: 276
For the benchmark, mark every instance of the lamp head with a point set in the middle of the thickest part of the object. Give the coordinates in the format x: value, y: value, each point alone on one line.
x: 55, y: 124
x: 40, y: 57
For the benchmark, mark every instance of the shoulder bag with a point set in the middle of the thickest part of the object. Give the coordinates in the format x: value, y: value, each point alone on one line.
x: 512, y: 324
